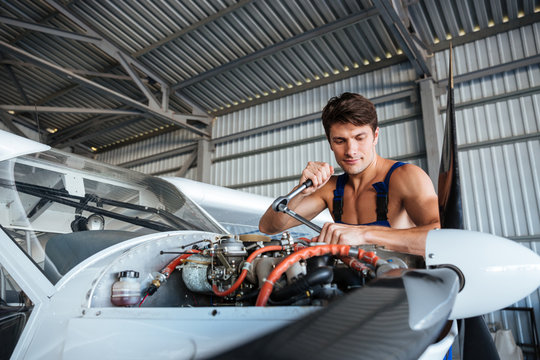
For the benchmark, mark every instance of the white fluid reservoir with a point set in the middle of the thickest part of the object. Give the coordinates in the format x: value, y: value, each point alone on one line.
x: 127, y: 290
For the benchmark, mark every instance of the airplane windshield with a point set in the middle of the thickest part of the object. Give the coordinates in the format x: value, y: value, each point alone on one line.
x: 52, y: 194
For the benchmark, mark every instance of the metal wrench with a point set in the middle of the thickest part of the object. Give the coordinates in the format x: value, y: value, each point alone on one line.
x: 280, y: 205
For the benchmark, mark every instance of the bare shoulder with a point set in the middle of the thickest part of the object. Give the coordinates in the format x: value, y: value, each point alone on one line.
x: 411, y: 179
x: 330, y: 185
x: 327, y: 191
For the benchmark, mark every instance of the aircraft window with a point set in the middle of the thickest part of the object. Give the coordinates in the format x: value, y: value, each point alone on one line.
x: 15, y: 307
x: 74, y: 207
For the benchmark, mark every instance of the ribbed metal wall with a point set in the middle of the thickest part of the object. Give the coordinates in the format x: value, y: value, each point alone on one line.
x: 381, y: 82
x: 498, y: 131
x: 498, y: 125
x: 152, y: 146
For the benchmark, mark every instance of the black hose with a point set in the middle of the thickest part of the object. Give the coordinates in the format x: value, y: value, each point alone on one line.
x: 322, y: 275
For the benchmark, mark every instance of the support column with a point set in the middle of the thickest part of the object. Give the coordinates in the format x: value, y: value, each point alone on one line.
x: 433, y: 129
x: 203, y: 161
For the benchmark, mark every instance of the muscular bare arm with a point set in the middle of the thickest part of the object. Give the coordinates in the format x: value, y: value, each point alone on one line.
x: 309, y: 203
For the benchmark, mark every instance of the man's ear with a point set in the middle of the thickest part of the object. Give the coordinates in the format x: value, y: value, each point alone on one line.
x: 376, y: 136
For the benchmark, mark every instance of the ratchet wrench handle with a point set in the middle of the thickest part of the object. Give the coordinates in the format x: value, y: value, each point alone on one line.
x: 281, y: 202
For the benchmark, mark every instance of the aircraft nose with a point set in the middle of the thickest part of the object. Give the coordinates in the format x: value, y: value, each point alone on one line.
x: 497, y: 272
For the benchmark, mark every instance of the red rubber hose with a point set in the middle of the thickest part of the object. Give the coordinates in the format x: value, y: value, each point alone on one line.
x: 167, y: 270
x: 306, y: 253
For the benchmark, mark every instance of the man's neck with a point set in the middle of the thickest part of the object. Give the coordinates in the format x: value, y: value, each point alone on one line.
x: 367, y: 176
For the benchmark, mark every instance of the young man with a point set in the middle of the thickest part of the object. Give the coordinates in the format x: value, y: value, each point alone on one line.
x: 382, y: 201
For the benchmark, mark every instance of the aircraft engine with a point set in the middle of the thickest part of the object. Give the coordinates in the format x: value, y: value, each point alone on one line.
x: 236, y: 269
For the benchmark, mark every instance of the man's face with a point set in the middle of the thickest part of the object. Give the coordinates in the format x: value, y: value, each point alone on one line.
x: 353, y: 146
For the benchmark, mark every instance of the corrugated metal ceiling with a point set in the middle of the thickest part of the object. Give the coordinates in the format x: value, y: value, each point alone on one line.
x: 213, y: 56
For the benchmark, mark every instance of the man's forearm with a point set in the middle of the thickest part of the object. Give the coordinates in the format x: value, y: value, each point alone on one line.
x: 412, y: 240
x: 273, y: 222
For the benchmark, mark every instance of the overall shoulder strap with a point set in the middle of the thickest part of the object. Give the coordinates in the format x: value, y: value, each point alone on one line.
x: 382, y: 193
x: 389, y: 173
x: 338, y: 197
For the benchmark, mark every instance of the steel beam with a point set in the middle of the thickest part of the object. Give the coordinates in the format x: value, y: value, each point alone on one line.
x: 402, y: 36
x: 127, y: 62
x: 193, y: 27
x: 495, y: 98
x: 8, y: 122
x: 104, y: 44
x: 492, y: 70
x: 66, y: 110
x: 124, y: 61
x: 501, y: 141
x: 204, y: 162
x: 49, y: 30
x: 76, y: 71
x: 187, y: 164
x: 167, y: 116
x: 122, y: 57
x: 72, y: 131
x: 23, y: 121
x: 17, y: 84
x: 433, y: 130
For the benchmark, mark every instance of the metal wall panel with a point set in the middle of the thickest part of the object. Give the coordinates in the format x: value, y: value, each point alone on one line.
x: 149, y: 147
x: 501, y: 191
x: 377, y: 83
x: 498, y: 133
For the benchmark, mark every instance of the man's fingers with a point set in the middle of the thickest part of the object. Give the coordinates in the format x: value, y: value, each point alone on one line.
x: 318, y: 172
x: 322, y: 236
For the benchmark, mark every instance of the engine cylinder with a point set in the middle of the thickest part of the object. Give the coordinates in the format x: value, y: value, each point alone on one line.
x: 195, y: 273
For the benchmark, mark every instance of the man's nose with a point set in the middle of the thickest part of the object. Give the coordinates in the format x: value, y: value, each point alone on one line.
x: 352, y: 148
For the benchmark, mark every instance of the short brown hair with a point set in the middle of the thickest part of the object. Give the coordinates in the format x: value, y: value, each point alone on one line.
x: 349, y: 108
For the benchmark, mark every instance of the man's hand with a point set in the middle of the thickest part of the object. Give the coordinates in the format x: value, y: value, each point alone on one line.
x: 343, y: 234
x: 319, y: 173
x: 412, y: 240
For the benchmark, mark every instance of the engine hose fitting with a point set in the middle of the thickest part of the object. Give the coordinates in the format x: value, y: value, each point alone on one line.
x: 354, y: 252
x: 369, y: 257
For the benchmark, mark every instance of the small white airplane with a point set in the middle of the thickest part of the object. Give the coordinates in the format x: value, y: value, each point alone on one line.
x: 103, y: 262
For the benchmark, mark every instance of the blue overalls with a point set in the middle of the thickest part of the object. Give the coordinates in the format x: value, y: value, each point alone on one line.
x: 382, y: 197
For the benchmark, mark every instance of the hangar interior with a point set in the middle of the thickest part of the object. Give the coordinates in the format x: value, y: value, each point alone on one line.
x: 230, y: 92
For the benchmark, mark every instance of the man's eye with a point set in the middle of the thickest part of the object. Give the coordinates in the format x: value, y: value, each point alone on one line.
x: 338, y: 141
